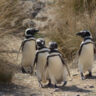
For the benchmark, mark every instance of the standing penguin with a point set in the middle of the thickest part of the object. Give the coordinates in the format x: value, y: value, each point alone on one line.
x: 40, y: 61
x: 56, y: 67
x: 86, y: 53
x: 28, y: 50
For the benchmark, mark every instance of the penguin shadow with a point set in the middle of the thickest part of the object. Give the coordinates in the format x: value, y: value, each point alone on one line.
x: 12, y: 89
x: 73, y: 89
x: 69, y: 89
x: 88, y: 77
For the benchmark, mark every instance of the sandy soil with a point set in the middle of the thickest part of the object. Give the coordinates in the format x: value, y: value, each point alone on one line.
x: 27, y: 85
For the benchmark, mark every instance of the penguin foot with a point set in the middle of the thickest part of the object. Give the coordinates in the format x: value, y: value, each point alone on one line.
x: 65, y: 82
x: 40, y: 85
x: 23, y: 70
x: 26, y: 71
x: 55, y: 86
x: 90, y: 74
x: 82, y: 76
x: 49, y: 84
x: 52, y: 86
x: 44, y: 86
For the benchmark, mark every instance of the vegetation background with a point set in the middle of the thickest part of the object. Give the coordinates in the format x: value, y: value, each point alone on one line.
x: 58, y: 20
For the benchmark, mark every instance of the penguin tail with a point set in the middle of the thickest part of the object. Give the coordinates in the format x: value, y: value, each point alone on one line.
x: 23, y: 70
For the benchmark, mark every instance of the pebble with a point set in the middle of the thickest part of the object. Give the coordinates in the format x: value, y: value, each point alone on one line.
x: 78, y: 95
x: 91, y: 87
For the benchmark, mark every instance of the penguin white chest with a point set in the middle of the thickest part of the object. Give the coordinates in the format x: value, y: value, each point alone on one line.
x: 28, y: 53
x: 40, y: 68
x: 56, y: 70
x: 86, y: 58
x: 42, y: 59
x: 29, y: 47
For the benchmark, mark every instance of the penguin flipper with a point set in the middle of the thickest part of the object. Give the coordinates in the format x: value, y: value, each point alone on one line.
x: 82, y: 76
x: 79, y: 52
x: 65, y: 82
x: 65, y: 64
x: 23, y: 70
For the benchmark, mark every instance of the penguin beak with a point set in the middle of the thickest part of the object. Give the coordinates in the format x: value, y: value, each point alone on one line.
x: 79, y: 34
x: 36, y: 30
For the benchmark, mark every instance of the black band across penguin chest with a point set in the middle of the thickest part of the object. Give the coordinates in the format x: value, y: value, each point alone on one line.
x: 23, y: 43
x: 83, y: 45
x: 54, y: 55
x: 39, y: 52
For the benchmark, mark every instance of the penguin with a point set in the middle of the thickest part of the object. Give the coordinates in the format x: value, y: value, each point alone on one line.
x: 85, y: 53
x: 56, y: 67
x: 40, y: 61
x: 28, y: 47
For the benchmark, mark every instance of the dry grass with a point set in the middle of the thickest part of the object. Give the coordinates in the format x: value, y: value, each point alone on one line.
x: 8, y: 62
x: 10, y: 12
x: 84, y: 5
x: 67, y: 22
x: 11, y: 16
x: 70, y: 17
x: 14, y: 19
x: 6, y: 72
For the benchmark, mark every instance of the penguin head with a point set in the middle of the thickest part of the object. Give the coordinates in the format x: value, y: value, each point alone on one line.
x: 84, y: 34
x: 30, y: 32
x: 53, y: 45
x: 40, y: 43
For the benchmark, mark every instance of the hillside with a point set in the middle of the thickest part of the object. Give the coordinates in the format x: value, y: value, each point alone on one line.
x: 62, y: 18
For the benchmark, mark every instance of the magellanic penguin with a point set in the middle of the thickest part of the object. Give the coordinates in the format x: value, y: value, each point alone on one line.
x: 40, y: 61
x: 85, y: 53
x: 28, y: 50
x: 56, y: 68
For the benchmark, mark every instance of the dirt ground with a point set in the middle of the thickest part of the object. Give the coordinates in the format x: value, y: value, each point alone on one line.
x: 27, y: 85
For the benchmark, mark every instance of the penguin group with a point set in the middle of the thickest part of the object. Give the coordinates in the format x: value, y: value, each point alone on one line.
x: 48, y: 63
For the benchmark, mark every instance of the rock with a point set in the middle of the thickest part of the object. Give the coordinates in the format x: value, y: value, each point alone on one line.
x: 91, y: 86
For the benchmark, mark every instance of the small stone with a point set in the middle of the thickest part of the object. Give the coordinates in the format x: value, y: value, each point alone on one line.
x: 91, y: 87
x: 85, y: 87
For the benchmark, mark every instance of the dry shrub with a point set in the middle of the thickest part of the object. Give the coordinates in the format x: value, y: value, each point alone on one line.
x: 6, y: 72
x: 84, y: 5
x: 67, y: 22
x: 11, y: 16
x: 9, y: 11
x: 8, y: 63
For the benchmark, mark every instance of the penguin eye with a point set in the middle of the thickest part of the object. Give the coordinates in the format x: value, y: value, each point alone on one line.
x: 42, y: 43
x: 87, y: 34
